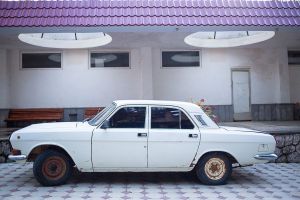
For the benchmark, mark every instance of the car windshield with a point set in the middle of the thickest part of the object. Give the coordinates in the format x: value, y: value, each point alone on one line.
x: 95, y: 120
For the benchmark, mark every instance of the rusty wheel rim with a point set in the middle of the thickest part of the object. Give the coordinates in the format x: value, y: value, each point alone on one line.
x: 54, y: 168
x: 215, y: 168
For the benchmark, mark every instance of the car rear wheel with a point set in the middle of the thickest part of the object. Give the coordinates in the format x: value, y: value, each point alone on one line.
x: 214, y: 169
x: 52, y: 168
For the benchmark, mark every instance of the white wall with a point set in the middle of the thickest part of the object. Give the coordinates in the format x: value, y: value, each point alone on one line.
x: 212, y: 81
x: 145, y: 58
x: 4, y: 80
x: 283, y: 75
x: 76, y: 85
x: 294, y: 83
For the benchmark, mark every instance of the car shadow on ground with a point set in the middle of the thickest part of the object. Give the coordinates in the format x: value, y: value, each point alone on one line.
x: 133, y: 177
x: 238, y: 177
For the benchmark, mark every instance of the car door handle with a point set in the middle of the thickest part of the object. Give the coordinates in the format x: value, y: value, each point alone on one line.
x: 142, y: 134
x: 193, y: 135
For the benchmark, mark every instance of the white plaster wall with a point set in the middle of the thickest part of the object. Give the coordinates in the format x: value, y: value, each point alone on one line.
x: 294, y: 83
x: 284, y: 76
x: 75, y: 85
x: 212, y: 81
x: 145, y: 58
x: 4, y: 80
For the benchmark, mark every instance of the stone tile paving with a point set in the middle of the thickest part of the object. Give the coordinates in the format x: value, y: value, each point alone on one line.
x: 264, y: 181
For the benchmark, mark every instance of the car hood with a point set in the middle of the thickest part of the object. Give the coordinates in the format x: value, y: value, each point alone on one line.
x: 53, y: 126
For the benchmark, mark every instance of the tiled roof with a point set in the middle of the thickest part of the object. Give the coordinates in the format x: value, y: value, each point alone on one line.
x: 149, y: 13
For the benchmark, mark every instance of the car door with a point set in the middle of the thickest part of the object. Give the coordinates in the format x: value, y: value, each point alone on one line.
x: 173, y: 138
x: 123, y: 144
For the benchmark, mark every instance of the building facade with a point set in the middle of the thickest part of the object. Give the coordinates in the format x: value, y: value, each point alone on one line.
x: 259, y: 79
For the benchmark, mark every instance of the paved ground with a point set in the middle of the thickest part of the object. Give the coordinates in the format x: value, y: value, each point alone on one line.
x: 268, y: 126
x: 265, y: 181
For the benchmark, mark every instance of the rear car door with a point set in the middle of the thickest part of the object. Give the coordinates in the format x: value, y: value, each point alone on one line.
x: 173, y: 138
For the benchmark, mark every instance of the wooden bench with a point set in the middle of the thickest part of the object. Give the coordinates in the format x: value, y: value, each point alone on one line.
x: 91, y: 112
x: 33, y: 115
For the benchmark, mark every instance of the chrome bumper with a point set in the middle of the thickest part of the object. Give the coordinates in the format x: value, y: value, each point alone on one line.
x: 268, y: 156
x: 18, y: 157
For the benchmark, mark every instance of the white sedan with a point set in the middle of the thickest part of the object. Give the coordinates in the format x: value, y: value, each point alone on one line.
x: 141, y: 136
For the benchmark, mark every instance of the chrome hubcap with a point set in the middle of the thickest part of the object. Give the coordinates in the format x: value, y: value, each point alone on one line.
x: 215, y: 168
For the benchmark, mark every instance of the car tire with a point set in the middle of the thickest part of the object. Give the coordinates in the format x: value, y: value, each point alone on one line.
x: 214, y: 169
x: 52, y: 168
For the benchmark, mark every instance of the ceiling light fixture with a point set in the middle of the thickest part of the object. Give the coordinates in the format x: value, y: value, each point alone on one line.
x: 222, y: 39
x: 66, y: 40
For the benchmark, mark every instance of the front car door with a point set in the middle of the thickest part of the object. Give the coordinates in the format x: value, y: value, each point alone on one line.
x: 173, y: 138
x: 123, y: 144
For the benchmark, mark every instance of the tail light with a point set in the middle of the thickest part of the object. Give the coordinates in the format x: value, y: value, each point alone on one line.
x: 15, y: 152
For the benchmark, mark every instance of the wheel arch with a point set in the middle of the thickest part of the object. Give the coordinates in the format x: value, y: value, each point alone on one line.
x: 228, y: 154
x: 40, y: 148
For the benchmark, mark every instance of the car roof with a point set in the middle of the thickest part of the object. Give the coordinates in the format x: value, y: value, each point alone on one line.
x: 188, y: 106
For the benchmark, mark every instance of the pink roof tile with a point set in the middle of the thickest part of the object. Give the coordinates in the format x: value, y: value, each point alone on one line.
x: 149, y: 13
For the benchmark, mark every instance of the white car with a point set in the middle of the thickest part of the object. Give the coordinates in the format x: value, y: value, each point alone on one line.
x: 141, y: 136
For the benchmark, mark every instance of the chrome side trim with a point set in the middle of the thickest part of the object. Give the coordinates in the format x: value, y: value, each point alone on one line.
x: 17, y: 157
x: 268, y: 156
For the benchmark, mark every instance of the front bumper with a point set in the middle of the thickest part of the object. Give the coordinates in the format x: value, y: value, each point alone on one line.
x: 17, y: 157
x: 266, y: 156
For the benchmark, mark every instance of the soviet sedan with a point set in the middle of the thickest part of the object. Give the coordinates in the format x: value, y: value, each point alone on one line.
x: 141, y: 136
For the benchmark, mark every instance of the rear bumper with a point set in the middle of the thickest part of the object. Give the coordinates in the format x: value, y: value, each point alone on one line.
x: 17, y: 157
x: 266, y: 156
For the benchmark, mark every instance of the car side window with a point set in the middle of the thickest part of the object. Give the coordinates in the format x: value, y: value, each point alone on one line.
x: 128, y: 117
x: 169, y: 118
x: 200, y: 119
x: 186, y: 122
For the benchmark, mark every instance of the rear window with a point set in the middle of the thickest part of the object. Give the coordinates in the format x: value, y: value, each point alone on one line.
x: 200, y: 119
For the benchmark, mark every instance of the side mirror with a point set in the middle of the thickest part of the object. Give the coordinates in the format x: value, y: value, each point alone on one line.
x: 105, y: 124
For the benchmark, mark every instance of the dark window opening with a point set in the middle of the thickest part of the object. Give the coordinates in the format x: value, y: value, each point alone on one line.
x: 180, y: 59
x: 294, y: 57
x: 41, y: 60
x: 110, y: 59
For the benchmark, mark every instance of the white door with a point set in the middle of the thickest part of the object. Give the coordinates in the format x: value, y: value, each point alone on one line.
x: 241, y: 94
x: 173, y: 138
x: 124, y: 143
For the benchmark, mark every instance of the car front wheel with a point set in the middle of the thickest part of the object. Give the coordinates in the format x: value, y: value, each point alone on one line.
x: 52, y: 168
x: 214, y: 169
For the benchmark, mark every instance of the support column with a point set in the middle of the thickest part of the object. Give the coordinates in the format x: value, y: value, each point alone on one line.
x: 4, y: 80
x: 146, y: 73
x: 284, y: 80
x: 4, y: 87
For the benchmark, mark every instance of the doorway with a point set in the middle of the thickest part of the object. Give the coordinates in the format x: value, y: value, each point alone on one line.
x: 241, y: 94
